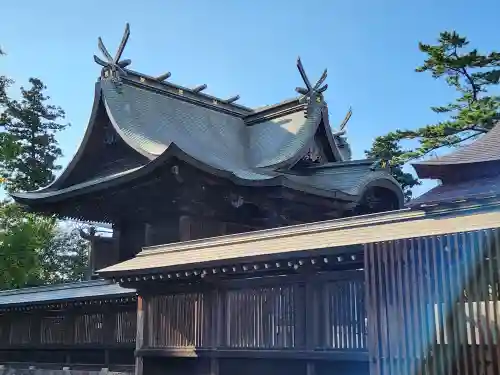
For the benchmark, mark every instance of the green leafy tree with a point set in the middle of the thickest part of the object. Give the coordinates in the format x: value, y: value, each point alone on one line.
x: 65, y: 258
x: 23, y: 237
x: 34, y: 249
x: 9, y: 148
x: 33, y: 124
x: 388, y: 149
x: 473, y: 111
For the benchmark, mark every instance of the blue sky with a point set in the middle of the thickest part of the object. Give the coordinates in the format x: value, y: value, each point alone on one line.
x: 249, y: 48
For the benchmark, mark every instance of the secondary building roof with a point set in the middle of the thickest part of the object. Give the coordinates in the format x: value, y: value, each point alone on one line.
x: 83, y: 290
x: 483, y: 150
x: 469, y: 172
x: 299, y: 241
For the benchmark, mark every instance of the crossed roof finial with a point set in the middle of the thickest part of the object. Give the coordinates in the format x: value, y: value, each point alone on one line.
x: 310, y: 89
x: 343, y: 126
x: 115, y: 64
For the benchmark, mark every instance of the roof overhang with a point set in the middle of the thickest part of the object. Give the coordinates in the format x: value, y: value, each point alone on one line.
x: 88, y: 187
x: 300, y: 241
x: 55, y: 295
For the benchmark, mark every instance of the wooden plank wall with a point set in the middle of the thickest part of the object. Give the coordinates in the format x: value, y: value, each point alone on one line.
x: 433, y: 305
x: 325, y: 312
x: 97, y: 325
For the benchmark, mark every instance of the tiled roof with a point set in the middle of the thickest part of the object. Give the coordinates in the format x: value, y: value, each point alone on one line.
x: 249, y: 146
x: 151, y: 122
x: 448, y: 193
x: 484, y: 149
x: 294, y: 240
x: 95, y: 289
x: 158, y: 125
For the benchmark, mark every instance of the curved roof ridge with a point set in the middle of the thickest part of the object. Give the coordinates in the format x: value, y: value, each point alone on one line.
x: 81, y: 148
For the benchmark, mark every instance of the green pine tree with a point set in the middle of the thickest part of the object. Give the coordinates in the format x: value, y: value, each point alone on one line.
x: 474, y: 110
x: 33, y: 124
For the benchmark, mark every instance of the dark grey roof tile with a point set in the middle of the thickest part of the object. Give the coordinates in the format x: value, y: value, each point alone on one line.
x: 94, y: 289
x: 484, y: 149
x: 475, y: 188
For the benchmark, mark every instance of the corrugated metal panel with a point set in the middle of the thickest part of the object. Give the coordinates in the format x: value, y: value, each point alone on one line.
x: 79, y: 290
x: 351, y: 233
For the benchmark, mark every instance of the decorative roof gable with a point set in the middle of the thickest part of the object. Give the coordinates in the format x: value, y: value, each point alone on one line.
x: 254, y: 147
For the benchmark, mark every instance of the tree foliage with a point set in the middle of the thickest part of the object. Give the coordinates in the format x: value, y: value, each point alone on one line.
x: 388, y: 149
x: 33, y: 124
x: 22, y: 238
x: 9, y: 148
x: 473, y: 111
x: 34, y: 249
x: 65, y: 257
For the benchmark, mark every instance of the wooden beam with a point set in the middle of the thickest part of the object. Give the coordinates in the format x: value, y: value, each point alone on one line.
x: 163, y: 77
x: 199, y: 88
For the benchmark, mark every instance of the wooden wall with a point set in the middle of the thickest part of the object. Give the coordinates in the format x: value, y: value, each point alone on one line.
x: 97, y: 334
x: 268, y: 320
x: 433, y: 305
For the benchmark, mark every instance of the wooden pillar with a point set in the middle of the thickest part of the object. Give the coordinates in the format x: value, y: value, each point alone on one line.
x: 36, y: 327
x: 218, y: 332
x: 185, y: 228
x: 139, y: 339
x: 310, y: 369
x: 214, y: 366
x: 311, y: 315
x: 148, y: 234
x: 109, y: 322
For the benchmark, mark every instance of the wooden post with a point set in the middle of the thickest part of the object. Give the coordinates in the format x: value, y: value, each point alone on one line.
x: 148, y: 234
x: 311, y: 369
x: 139, y: 340
x: 214, y: 366
x: 184, y: 228
x: 217, y: 328
x: 36, y: 327
x: 109, y: 324
x: 311, y: 316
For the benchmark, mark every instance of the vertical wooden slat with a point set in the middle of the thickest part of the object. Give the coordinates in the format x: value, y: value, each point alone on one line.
x: 417, y: 273
x: 392, y: 356
x: 495, y: 264
x: 478, y: 297
x: 371, y: 309
x: 300, y: 317
x: 416, y: 298
x: 485, y: 278
x: 432, y: 318
x: 400, y: 255
x: 448, y: 247
x: 141, y: 320
x: 310, y: 317
x: 420, y: 276
x: 438, y: 304
x: 384, y: 355
x: 466, y: 270
x: 459, y: 282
